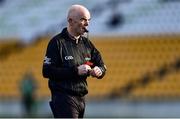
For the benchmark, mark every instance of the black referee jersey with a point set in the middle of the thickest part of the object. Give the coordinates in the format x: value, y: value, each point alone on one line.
x: 62, y: 58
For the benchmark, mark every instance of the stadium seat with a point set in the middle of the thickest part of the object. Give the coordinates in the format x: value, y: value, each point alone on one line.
x: 143, y: 67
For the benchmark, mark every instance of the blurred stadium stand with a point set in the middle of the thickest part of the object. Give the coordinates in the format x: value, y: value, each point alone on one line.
x: 141, y: 49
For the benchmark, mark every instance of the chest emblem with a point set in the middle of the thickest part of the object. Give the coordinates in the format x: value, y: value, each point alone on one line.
x: 87, y: 58
x: 68, y: 57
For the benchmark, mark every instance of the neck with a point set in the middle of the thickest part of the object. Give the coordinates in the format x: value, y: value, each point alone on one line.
x: 71, y: 33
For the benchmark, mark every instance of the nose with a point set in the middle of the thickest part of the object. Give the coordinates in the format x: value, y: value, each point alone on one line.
x: 86, y: 23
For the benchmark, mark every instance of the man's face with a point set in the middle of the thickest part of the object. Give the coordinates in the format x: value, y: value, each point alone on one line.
x: 80, y: 24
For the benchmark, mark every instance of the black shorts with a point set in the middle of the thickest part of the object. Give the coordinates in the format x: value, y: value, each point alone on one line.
x: 67, y: 106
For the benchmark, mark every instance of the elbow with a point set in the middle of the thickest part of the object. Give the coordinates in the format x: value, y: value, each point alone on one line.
x: 45, y: 75
x: 45, y: 72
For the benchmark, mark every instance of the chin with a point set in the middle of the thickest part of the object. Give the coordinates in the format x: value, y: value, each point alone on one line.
x: 82, y: 33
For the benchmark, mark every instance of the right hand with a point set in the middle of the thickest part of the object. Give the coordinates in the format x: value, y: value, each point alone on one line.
x: 83, y: 69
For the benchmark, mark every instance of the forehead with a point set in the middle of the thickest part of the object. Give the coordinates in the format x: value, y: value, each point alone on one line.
x: 85, y: 15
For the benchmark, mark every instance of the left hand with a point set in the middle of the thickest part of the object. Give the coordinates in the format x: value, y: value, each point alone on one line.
x: 83, y: 69
x: 96, y: 72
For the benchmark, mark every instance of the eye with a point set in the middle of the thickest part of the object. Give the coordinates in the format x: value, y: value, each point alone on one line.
x: 84, y: 19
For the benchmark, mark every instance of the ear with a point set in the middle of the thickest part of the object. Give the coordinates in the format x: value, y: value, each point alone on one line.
x: 70, y: 20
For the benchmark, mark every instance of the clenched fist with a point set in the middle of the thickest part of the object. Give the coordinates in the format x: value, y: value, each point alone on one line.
x: 83, y: 69
x: 96, y: 72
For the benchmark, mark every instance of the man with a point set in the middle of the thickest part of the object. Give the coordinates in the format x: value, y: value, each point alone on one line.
x: 28, y: 88
x: 70, y: 59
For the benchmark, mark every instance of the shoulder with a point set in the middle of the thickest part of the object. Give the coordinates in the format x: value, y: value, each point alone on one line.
x: 56, y: 38
x: 87, y: 41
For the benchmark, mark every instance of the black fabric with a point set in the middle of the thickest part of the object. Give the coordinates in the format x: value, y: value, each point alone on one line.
x: 67, y: 106
x: 63, y: 56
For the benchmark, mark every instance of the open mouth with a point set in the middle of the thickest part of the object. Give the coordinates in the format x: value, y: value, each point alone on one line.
x: 85, y: 29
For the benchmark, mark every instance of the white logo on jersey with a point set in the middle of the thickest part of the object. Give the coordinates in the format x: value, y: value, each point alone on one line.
x: 87, y: 58
x: 68, y: 57
x: 47, y: 60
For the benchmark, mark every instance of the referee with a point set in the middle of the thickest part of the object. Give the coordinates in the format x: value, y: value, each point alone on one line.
x: 70, y: 58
